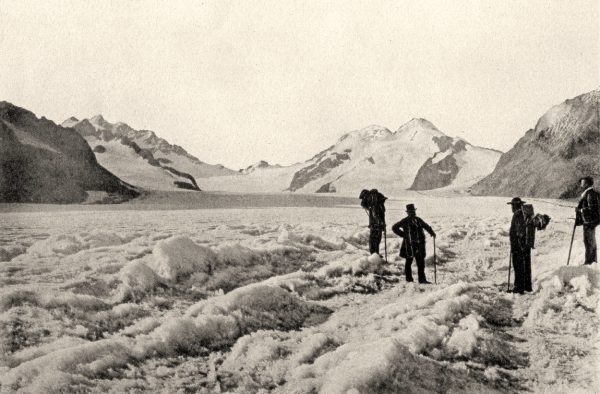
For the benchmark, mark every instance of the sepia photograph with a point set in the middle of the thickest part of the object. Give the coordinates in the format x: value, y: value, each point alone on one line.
x: 195, y: 196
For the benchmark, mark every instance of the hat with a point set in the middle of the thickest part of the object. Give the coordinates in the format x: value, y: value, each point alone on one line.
x: 516, y: 201
x: 410, y: 207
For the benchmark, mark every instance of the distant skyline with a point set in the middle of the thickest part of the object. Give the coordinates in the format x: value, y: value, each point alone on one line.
x: 237, y: 82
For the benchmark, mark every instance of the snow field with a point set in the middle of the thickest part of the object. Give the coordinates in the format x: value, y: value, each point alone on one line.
x: 102, y: 334
x: 287, y: 301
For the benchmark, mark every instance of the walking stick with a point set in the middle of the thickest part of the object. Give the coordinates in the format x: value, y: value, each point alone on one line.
x: 509, y: 265
x: 385, y: 244
x: 572, y: 238
x: 434, y: 263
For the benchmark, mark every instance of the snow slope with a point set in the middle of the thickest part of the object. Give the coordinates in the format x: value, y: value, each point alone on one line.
x: 549, y: 159
x: 376, y: 157
x: 132, y: 168
x: 286, y: 300
x: 164, y: 153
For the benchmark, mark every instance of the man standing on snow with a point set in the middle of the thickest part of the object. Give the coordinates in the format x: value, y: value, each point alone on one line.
x: 588, y: 216
x: 410, y: 229
x: 373, y: 202
x: 521, y: 242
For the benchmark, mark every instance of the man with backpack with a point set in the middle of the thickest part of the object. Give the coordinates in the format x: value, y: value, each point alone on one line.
x: 522, y: 238
x: 410, y: 229
x: 373, y: 202
x: 588, y: 216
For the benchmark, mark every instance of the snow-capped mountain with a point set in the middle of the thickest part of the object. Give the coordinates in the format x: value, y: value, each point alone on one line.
x: 549, y: 159
x: 262, y: 164
x: 161, y: 149
x: 417, y: 156
x: 140, y: 157
x: 42, y: 162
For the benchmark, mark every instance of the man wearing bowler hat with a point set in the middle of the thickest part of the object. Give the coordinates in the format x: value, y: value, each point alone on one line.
x: 410, y: 229
x: 520, y: 247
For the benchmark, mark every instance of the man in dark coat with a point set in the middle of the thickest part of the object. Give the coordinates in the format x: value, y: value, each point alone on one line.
x: 588, y: 216
x: 410, y: 229
x: 521, y: 242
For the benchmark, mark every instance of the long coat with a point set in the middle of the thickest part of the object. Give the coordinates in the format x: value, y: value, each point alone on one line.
x: 521, y: 234
x: 410, y: 229
x: 588, y: 212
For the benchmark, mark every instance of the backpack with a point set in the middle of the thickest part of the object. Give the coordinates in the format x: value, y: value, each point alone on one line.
x: 370, y: 199
x: 540, y: 222
x: 373, y: 202
x: 533, y: 222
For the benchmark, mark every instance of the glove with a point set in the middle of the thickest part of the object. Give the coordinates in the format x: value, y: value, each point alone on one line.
x: 433, y: 235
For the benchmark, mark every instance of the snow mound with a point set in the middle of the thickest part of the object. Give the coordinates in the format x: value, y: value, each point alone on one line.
x: 137, y: 279
x: 65, y: 244
x: 70, y: 300
x: 221, y: 320
x: 209, y: 324
x: 464, y: 338
x: 179, y: 256
x: 564, y: 290
x: 423, y: 326
x: 361, y: 266
x: 289, y: 238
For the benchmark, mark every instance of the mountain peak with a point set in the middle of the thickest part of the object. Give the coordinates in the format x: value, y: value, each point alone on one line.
x: 258, y: 165
x: 70, y: 122
x: 98, y: 120
x: 371, y: 132
x: 418, y: 123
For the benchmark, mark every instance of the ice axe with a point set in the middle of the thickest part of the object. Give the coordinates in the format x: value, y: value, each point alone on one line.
x: 434, y: 263
x: 509, y: 265
x: 572, y: 238
x: 385, y: 243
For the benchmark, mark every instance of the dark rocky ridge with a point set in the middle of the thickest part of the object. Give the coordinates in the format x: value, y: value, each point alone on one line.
x: 326, y: 188
x: 549, y: 159
x: 42, y: 162
x: 324, y: 162
x: 125, y: 134
x: 443, y: 172
x: 262, y: 164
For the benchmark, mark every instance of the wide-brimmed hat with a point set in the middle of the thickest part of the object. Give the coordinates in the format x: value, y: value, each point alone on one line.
x: 516, y: 201
x: 410, y: 207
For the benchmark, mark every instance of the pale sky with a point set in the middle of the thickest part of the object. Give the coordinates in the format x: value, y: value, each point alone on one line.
x: 234, y: 82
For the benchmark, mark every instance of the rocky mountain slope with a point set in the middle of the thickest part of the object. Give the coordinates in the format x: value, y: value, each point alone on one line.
x: 417, y: 156
x: 141, y: 157
x: 42, y: 162
x: 162, y: 150
x: 549, y: 159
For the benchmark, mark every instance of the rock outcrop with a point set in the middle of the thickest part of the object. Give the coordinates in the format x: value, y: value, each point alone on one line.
x: 41, y: 162
x: 549, y: 159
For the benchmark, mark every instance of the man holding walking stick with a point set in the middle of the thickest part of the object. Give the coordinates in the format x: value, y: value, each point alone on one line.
x: 410, y: 229
x: 521, y: 242
x: 588, y: 216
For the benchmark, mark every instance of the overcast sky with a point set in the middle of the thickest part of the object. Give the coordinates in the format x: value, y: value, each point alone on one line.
x: 236, y: 82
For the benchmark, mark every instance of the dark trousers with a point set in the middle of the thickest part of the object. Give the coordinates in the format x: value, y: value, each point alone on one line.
x: 374, y: 240
x: 420, y: 269
x: 521, y: 262
x: 589, y: 241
